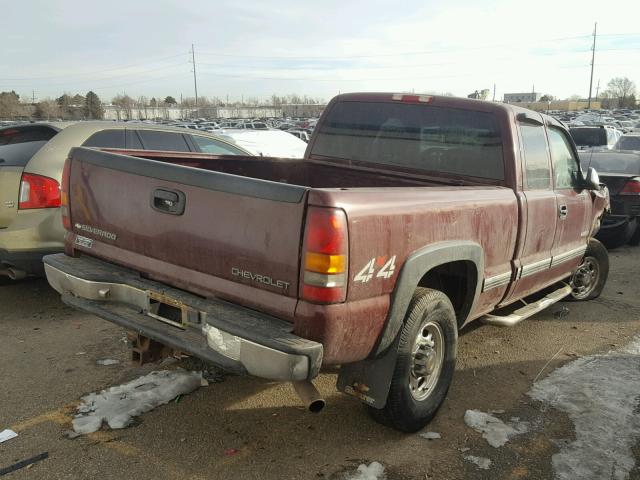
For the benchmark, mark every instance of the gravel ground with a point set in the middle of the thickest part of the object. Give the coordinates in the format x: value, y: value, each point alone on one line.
x: 250, y: 428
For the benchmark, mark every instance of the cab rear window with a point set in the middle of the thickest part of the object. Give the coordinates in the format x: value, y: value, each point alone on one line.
x: 421, y: 137
x: 19, y: 144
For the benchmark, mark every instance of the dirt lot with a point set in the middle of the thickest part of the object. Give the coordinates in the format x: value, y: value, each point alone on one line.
x: 48, y: 362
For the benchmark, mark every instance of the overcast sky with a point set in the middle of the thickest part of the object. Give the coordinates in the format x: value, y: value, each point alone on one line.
x: 256, y: 48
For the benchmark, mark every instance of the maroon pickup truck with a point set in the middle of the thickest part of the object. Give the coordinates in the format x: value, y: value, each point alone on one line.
x: 409, y: 217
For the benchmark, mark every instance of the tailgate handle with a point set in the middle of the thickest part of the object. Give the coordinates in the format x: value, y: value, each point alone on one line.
x: 168, y: 201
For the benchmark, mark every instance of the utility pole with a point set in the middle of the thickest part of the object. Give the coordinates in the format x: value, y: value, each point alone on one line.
x: 494, y: 92
x: 33, y: 96
x: 597, y: 90
x: 593, y: 57
x: 195, y: 81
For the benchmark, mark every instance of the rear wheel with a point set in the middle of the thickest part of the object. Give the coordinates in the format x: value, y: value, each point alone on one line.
x: 425, y: 363
x: 589, y: 279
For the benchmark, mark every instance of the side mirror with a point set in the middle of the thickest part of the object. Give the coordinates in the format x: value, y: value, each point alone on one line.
x: 592, y: 180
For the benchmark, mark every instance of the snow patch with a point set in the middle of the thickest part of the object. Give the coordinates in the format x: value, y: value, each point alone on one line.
x: 118, y: 405
x: 430, y: 435
x: 373, y: 471
x: 494, y: 430
x: 7, y: 435
x: 481, y: 462
x: 600, y: 394
x: 107, y: 361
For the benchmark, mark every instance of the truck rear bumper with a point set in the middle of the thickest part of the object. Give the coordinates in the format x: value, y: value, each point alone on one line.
x: 234, y: 338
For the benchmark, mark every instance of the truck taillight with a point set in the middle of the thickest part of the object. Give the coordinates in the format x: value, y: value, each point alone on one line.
x: 64, y: 195
x: 325, y: 256
x: 37, y: 191
x: 632, y: 187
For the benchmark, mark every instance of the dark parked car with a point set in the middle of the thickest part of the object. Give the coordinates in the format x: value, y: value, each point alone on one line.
x: 620, y: 171
x: 602, y: 137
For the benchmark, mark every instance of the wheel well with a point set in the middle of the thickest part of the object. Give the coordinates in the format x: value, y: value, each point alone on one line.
x: 458, y: 281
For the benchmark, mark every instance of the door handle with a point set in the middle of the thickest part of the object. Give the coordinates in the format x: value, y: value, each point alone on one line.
x: 168, y: 201
x: 562, y: 211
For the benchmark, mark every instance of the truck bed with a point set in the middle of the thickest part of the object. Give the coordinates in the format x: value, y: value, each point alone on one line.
x: 303, y: 172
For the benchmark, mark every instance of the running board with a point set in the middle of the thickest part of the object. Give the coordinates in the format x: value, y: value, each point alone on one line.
x: 528, y: 310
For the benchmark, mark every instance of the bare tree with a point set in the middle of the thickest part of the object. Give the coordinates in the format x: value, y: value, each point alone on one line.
x: 47, y: 109
x: 621, y: 88
x: 9, y: 104
x: 124, y: 106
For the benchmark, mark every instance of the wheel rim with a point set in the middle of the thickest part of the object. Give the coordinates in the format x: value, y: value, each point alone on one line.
x: 585, y: 278
x: 427, y: 355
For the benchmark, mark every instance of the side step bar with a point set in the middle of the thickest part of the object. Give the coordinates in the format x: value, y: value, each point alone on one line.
x: 528, y: 310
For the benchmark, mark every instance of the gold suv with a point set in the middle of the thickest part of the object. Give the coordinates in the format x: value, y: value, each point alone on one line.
x: 31, y: 160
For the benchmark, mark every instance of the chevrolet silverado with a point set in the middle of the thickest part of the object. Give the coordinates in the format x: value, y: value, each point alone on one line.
x: 409, y: 217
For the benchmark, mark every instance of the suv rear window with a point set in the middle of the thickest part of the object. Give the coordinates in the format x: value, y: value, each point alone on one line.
x: 112, y: 138
x: 159, y: 140
x: 422, y: 137
x: 589, y: 137
x: 19, y: 144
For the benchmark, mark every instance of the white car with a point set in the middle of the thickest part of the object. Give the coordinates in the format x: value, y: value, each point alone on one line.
x: 268, y: 143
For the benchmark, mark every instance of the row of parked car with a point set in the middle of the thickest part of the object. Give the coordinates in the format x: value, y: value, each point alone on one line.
x: 299, y: 127
x: 625, y: 120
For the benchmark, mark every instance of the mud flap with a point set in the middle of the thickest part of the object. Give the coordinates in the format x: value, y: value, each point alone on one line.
x: 370, y: 379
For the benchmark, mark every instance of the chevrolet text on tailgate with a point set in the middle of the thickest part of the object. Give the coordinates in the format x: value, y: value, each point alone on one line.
x: 409, y: 217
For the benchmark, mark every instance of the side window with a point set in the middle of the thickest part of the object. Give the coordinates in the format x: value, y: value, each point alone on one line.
x: 106, y: 139
x: 158, y: 140
x: 209, y: 145
x: 536, y: 158
x: 133, y: 141
x: 565, y: 165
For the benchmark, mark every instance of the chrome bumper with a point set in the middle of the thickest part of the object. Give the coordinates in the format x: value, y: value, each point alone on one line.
x: 227, y: 335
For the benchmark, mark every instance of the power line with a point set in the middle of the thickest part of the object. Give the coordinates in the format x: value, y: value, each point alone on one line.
x: 251, y: 77
x: 93, y: 72
x: 311, y: 67
x: 395, y: 54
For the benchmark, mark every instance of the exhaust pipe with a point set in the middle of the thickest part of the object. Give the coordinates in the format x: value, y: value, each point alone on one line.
x: 16, y: 274
x: 309, y: 395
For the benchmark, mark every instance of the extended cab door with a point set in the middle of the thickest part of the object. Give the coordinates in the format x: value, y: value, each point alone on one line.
x: 573, y: 204
x: 538, y: 209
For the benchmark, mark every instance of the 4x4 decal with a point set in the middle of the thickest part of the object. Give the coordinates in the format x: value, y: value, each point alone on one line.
x: 367, y: 273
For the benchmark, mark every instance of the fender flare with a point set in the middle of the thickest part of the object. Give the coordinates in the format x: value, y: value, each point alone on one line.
x: 414, y: 268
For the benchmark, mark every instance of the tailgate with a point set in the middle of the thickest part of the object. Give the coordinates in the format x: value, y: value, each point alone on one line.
x: 9, y: 192
x: 240, y: 229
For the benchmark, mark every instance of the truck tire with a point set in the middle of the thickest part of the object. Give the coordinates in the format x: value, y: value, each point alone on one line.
x: 635, y: 238
x: 425, y: 363
x: 589, y: 279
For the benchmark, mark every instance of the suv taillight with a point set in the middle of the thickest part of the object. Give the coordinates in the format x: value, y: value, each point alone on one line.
x: 64, y: 195
x: 37, y: 191
x: 632, y: 187
x: 325, y: 256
